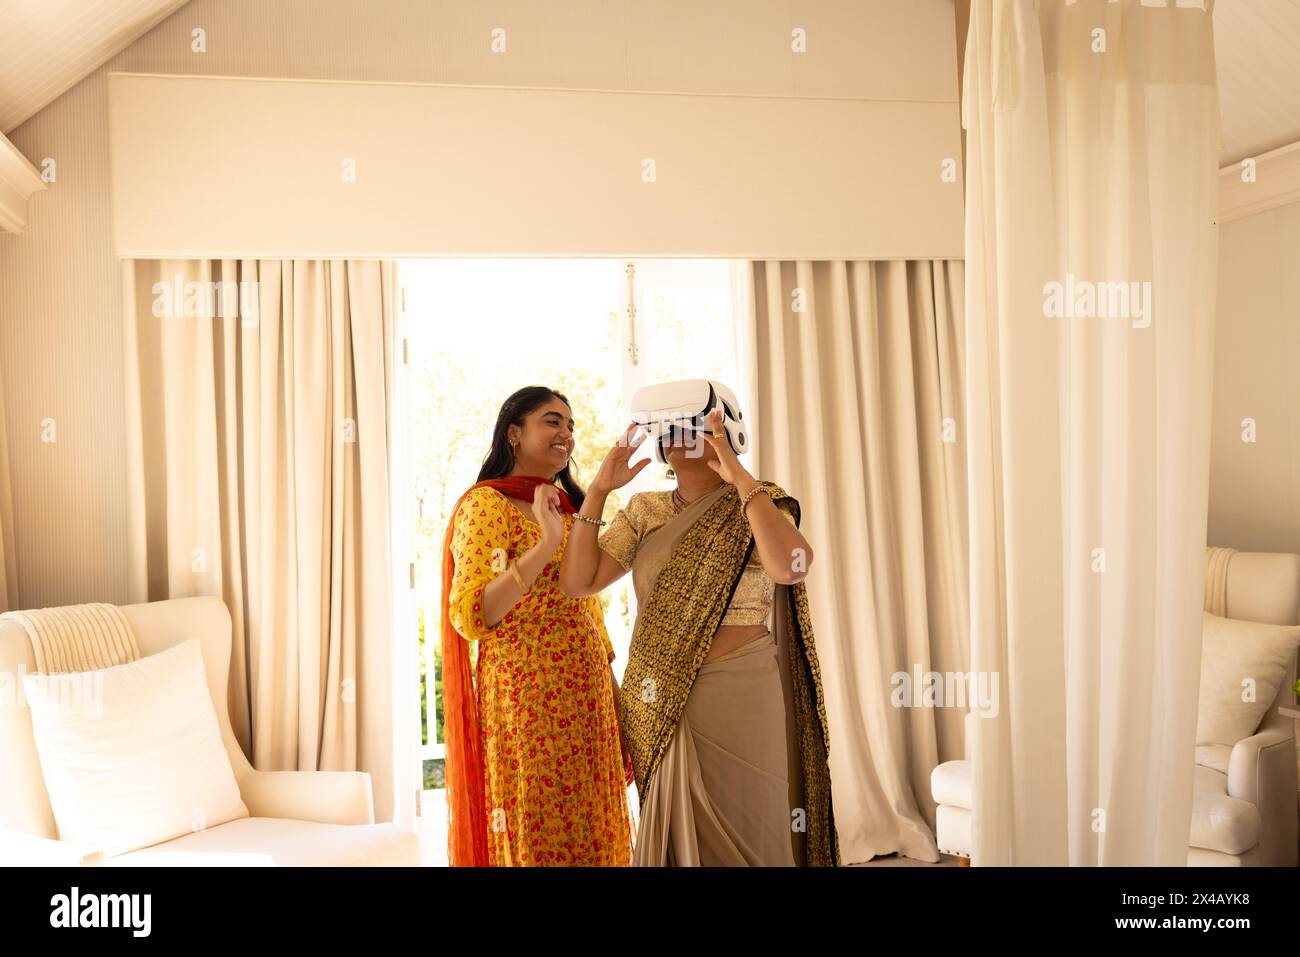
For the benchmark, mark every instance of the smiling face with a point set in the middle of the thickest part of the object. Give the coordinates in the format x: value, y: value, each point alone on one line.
x: 544, y: 442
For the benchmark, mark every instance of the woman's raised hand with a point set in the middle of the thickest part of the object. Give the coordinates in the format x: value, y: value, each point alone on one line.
x: 615, y: 471
x: 727, y: 465
x: 546, y: 507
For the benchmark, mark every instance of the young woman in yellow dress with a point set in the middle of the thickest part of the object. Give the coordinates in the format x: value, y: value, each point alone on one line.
x: 536, y: 774
x: 722, y: 706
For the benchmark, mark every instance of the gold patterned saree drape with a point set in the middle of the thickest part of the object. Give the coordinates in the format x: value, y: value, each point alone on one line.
x: 673, y: 633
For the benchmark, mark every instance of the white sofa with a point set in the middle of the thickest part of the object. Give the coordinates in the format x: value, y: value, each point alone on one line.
x: 1244, y: 818
x: 297, y: 818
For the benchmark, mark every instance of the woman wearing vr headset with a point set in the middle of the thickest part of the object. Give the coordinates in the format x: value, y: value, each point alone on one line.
x: 535, y: 771
x: 722, y: 712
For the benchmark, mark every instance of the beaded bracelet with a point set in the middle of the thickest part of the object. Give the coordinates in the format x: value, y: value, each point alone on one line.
x: 590, y: 521
x: 752, y: 492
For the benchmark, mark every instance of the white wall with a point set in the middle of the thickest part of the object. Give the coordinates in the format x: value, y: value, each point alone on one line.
x: 1255, y: 486
x: 378, y: 170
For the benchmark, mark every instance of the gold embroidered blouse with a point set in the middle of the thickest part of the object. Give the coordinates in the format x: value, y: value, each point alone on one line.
x: 646, y: 512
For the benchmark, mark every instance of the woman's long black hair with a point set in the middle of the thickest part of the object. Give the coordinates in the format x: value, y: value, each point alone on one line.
x: 501, y: 457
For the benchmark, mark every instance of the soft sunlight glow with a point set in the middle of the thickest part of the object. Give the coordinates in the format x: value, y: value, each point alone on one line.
x: 480, y: 329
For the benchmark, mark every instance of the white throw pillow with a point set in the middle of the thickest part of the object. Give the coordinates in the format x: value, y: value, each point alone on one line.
x: 1233, y: 651
x: 132, y: 755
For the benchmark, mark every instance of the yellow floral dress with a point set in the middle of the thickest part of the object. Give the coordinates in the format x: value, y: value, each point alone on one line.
x: 555, y: 787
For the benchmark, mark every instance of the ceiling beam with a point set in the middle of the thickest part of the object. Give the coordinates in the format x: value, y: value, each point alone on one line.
x: 1259, y: 183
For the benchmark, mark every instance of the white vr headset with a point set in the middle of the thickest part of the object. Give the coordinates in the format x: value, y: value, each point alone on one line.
x: 686, y: 406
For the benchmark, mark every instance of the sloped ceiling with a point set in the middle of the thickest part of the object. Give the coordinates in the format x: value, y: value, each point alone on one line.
x: 48, y: 46
x: 1257, y: 44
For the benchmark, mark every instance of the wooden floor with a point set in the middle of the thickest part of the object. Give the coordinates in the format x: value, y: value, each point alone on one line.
x: 433, y: 848
x: 895, y: 860
x: 432, y: 829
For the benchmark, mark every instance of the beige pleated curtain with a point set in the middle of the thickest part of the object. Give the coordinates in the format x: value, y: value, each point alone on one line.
x: 856, y: 373
x: 258, y: 421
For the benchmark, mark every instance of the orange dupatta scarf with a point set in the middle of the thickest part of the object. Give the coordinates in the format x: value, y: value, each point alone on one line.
x: 467, y: 842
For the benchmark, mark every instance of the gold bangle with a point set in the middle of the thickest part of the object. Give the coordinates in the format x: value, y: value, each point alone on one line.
x: 514, y: 570
x: 590, y: 521
x: 744, y: 502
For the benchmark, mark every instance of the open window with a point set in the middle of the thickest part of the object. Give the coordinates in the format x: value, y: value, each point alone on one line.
x: 473, y: 331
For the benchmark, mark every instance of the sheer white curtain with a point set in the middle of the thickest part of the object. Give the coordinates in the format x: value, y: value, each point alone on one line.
x: 1092, y: 132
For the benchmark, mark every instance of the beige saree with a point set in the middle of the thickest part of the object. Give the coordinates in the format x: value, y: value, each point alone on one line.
x: 729, y: 756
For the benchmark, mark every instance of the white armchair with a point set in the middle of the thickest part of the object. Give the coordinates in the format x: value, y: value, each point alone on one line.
x: 1244, y: 804
x: 296, y: 818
